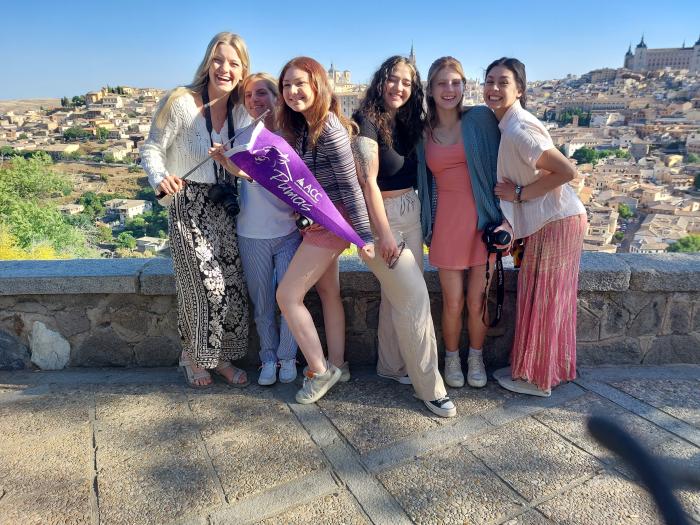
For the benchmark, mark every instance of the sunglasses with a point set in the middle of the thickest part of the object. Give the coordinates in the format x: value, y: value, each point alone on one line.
x: 395, y: 259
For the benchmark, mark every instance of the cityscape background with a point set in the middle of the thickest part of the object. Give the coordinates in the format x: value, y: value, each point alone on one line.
x: 617, y: 87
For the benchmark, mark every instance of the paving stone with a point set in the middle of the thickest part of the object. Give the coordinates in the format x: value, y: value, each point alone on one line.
x: 687, y: 457
x: 372, y: 413
x: 45, y: 459
x: 227, y: 410
x: 534, y: 460
x: 606, y: 498
x: 677, y: 397
x: 450, y: 487
x: 281, y: 446
x: 529, y: 518
x: 152, y: 467
x: 570, y: 421
x: 334, y: 509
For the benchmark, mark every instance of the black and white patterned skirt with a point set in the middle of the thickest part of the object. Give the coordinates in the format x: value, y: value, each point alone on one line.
x: 212, y: 298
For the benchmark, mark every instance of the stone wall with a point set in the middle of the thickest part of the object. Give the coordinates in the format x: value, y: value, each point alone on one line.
x: 632, y: 309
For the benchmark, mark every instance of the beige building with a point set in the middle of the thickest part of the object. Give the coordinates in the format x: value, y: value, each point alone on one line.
x: 645, y: 59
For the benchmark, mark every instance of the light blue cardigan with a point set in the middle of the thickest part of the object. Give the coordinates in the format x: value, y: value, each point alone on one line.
x: 481, y: 137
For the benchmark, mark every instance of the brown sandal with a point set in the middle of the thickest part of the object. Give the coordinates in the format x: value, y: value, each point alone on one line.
x: 235, y: 381
x: 192, y: 376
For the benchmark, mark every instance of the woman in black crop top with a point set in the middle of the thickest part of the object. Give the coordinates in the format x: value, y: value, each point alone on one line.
x: 391, y: 120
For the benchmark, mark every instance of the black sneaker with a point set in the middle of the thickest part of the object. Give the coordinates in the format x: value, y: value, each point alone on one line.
x: 443, y: 407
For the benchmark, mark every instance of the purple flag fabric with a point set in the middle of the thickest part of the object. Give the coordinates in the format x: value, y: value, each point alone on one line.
x: 274, y: 164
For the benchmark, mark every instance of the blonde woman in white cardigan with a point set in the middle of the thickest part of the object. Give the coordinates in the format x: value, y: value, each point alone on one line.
x: 211, y: 293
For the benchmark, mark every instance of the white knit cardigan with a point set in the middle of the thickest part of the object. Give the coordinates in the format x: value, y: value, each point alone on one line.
x: 183, y: 142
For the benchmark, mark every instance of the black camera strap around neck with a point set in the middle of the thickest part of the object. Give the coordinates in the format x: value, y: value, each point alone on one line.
x: 500, y: 290
x: 218, y: 175
x: 304, y: 145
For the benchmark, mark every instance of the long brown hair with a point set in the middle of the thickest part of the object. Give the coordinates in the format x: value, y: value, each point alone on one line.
x: 410, y: 117
x: 437, y: 66
x: 292, y: 123
x: 201, y: 76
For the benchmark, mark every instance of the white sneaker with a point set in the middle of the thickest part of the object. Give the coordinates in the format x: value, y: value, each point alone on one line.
x: 268, y: 373
x: 476, y: 371
x: 344, y: 372
x: 404, y: 380
x: 453, y: 372
x: 443, y: 407
x: 522, y: 387
x: 316, y: 385
x: 288, y: 370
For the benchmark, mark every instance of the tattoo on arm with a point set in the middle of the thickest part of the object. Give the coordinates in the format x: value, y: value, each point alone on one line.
x: 366, y: 152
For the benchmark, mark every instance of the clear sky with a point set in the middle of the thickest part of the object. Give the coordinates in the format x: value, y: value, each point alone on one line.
x: 55, y: 48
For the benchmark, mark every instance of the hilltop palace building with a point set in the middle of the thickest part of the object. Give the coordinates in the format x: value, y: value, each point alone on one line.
x: 644, y: 59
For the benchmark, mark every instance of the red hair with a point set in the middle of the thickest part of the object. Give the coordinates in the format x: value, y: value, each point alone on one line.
x: 291, y: 122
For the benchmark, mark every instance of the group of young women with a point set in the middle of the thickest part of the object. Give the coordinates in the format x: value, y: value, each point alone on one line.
x: 489, y: 165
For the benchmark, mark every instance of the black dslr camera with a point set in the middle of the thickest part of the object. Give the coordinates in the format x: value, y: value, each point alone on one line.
x: 494, y: 238
x: 226, y: 196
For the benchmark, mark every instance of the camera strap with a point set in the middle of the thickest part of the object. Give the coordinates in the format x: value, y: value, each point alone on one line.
x: 500, y: 291
x: 210, y: 128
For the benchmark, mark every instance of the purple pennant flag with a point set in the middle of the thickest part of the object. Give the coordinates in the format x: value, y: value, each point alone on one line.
x: 274, y: 164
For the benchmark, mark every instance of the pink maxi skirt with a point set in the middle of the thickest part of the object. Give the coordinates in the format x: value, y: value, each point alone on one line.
x: 544, y: 347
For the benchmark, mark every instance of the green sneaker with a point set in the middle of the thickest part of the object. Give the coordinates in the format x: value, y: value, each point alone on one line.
x: 316, y: 385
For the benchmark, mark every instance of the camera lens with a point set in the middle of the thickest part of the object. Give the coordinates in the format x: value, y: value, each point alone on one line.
x: 502, y: 237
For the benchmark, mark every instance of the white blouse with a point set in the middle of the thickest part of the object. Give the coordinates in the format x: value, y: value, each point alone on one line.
x: 523, y: 140
x: 183, y: 142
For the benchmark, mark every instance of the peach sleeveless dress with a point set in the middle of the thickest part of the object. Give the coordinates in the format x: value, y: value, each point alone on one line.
x: 456, y: 243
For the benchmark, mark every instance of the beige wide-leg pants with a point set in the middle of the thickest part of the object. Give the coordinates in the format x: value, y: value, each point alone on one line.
x: 407, y: 343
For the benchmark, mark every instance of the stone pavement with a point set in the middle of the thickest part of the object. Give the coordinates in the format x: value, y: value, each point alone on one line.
x: 134, y: 446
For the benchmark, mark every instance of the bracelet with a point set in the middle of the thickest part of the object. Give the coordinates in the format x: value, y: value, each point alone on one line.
x: 518, y: 194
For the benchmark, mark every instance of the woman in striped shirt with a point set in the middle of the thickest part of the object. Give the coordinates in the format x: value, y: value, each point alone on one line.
x: 311, y: 120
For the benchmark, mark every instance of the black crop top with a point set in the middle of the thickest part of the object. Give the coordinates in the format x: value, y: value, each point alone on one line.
x: 398, y: 165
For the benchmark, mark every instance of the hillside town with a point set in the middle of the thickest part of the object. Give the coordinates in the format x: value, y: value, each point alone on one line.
x: 634, y: 132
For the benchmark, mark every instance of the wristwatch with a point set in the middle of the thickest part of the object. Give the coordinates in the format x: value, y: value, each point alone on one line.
x: 518, y: 193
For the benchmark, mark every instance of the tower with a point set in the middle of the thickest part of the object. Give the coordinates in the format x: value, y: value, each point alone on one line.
x: 412, y: 56
x: 629, y: 58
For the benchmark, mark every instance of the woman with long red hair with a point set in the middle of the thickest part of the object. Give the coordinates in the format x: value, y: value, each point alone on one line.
x: 311, y: 120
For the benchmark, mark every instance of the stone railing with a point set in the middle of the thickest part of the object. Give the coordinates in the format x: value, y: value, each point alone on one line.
x: 631, y: 309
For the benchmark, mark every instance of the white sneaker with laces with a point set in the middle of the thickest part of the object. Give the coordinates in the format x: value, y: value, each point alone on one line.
x: 443, y: 407
x: 316, y: 385
x: 288, y: 370
x: 404, y: 380
x: 453, y: 372
x: 268, y: 373
x: 476, y: 371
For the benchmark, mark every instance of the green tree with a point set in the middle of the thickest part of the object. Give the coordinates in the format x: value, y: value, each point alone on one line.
x: 137, y: 226
x: 585, y: 156
x: 75, y: 133
x: 126, y: 240
x: 624, y: 211
x: 65, y: 102
x: 691, y: 243
x: 622, y: 154
x: 104, y: 234
x: 109, y: 158
x: 101, y: 133
x: 78, y: 100
x: 618, y: 236
x: 692, y: 158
